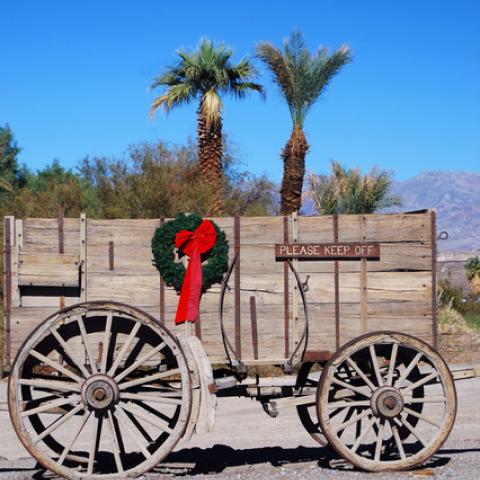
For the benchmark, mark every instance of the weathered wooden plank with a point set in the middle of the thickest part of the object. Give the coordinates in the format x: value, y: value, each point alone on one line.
x: 394, y: 257
x: 52, y: 269
x: 53, y: 301
x: 385, y: 228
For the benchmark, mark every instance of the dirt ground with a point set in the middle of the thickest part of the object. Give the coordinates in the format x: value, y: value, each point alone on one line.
x: 248, y: 444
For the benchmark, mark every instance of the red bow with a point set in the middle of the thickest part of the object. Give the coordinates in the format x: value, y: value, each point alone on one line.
x: 193, y: 244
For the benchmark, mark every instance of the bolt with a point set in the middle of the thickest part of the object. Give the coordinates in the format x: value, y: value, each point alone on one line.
x: 390, y: 403
x: 99, y: 394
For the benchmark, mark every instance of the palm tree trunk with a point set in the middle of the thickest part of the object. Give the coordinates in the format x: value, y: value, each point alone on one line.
x: 293, y: 155
x: 210, y: 152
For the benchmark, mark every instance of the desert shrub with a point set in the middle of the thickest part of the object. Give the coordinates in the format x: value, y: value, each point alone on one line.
x: 451, y: 321
x: 450, y: 296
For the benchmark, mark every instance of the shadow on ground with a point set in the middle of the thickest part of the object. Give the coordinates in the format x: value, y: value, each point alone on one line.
x: 194, y: 461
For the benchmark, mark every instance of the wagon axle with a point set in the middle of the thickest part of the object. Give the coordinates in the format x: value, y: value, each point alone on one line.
x: 387, y: 402
x: 100, y: 392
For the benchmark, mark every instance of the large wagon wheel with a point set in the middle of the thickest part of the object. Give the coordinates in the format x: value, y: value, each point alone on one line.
x: 99, y: 390
x: 395, y: 410
x: 308, y: 378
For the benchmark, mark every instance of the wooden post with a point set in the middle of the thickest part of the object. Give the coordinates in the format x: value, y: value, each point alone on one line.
x: 111, y: 255
x: 7, y: 278
x: 162, y: 289
x: 363, y: 283
x: 295, y: 292
x: 61, y: 244
x: 83, y: 257
x: 238, y: 331
x: 286, y: 293
x: 16, y: 297
x: 433, y: 231
x: 337, y: 286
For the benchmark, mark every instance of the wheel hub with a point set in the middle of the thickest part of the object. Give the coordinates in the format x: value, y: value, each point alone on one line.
x: 387, y: 402
x: 100, y: 392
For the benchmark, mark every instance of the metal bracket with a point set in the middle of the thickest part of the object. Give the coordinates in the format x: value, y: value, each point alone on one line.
x: 443, y: 235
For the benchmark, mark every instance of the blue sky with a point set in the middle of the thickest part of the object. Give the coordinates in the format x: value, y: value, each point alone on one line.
x: 74, y: 78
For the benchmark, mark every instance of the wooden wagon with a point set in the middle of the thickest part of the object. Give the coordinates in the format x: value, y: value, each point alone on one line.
x: 103, y: 384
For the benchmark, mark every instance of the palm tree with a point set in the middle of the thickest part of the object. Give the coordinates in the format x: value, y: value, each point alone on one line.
x: 205, y: 75
x: 302, y: 78
x: 348, y: 191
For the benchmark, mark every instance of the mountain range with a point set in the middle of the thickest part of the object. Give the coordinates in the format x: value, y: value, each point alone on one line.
x: 454, y: 195
x: 456, y: 198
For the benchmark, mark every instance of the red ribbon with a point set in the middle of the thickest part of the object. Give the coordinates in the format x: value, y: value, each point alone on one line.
x: 193, y: 244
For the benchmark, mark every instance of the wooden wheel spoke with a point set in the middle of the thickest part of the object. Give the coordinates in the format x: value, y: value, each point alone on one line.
x: 349, y: 387
x: 59, y: 422
x: 428, y: 399
x: 115, y: 442
x: 408, y: 370
x: 346, y: 418
x: 379, y: 442
x: 411, y: 429
x: 149, y: 418
x: 106, y: 342
x: 132, y: 430
x: 376, y: 366
x: 370, y: 421
x: 124, y: 349
x: 86, y: 344
x: 148, y: 379
x: 40, y: 383
x: 355, y: 403
x: 391, y: 366
x: 352, y: 420
x: 55, y: 365
x: 420, y: 382
x: 398, y: 441
x: 53, y: 404
x: 67, y: 349
x: 421, y: 417
x: 94, y: 442
x: 74, y: 437
x: 361, y: 373
x: 153, y: 398
x: 140, y: 361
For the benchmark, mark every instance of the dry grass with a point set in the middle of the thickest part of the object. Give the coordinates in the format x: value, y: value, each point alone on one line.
x: 450, y: 321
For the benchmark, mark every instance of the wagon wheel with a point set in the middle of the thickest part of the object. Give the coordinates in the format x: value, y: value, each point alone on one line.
x: 376, y: 419
x: 307, y: 378
x: 99, y: 390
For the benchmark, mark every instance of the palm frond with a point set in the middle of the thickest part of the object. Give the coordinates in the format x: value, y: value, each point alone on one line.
x: 301, y: 76
x: 175, y: 95
x: 348, y: 191
x: 206, y: 69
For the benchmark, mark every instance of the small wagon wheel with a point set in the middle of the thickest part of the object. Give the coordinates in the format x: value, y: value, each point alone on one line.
x: 372, y: 418
x: 99, y: 390
x: 308, y: 378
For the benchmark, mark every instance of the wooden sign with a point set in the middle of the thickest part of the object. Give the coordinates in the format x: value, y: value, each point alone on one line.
x: 327, y: 251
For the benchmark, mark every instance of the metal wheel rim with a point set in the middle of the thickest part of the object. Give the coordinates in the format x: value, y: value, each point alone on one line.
x: 427, y: 354
x: 131, y: 382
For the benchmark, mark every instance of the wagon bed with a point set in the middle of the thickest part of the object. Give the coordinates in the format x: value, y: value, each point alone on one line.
x: 54, y: 263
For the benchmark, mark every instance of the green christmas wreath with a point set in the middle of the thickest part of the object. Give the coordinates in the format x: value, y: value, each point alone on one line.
x: 214, y: 262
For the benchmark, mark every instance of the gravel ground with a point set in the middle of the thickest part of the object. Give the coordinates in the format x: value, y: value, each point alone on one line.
x: 247, y: 444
